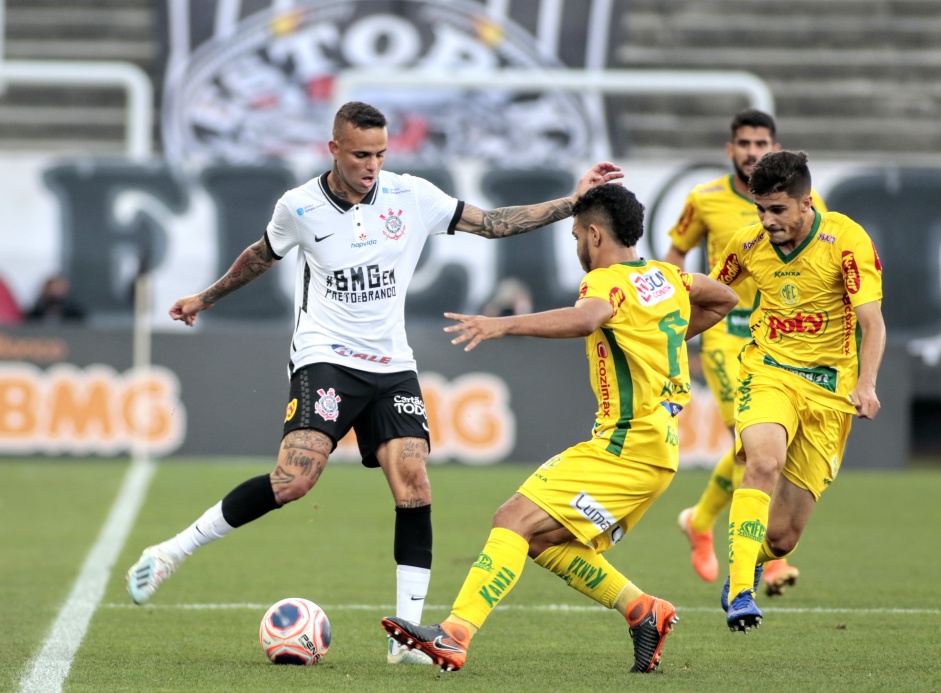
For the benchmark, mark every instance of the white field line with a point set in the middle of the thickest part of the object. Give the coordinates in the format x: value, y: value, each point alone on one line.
x: 390, y: 608
x: 51, y: 665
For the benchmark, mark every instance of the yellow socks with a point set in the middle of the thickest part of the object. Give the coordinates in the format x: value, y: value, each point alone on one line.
x: 738, y: 471
x: 748, y: 520
x: 630, y: 594
x: 492, y: 576
x: 765, y: 555
x: 716, y: 495
x: 586, y: 570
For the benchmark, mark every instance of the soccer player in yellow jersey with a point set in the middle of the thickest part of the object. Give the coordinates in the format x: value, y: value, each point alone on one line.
x: 715, y: 211
x: 635, y: 316
x: 818, y: 337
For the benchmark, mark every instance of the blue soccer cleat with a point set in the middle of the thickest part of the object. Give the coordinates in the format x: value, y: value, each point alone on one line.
x: 724, y: 598
x: 743, y: 612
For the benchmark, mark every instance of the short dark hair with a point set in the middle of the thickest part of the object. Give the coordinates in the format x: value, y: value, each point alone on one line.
x: 752, y: 117
x: 614, y: 207
x: 782, y: 171
x: 360, y: 115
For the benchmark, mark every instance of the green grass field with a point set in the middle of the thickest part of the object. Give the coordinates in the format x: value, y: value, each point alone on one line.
x: 865, y: 616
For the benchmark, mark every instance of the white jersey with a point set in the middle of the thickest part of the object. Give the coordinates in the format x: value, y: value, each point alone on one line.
x: 354, y: 264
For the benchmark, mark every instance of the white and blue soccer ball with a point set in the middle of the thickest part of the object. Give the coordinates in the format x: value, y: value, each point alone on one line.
x: 295, y: 631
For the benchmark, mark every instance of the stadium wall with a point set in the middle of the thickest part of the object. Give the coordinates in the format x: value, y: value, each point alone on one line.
x: 71, y: 391
x: 222, y: 393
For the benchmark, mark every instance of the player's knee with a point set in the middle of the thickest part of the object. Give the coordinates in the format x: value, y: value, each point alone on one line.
x: 415, y: 484
x: 538, y: 545
x: 761, y: 471
x: 503, y: 515
x: 293, y: 489
x: 781, y: 545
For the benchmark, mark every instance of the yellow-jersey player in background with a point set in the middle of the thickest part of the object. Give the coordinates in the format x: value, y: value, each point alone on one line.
x: 635, y: 316
x: 715, y: 211
x: 818, y: 337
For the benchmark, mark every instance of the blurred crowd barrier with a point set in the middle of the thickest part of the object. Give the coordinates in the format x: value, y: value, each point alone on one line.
x: 71, y: 390
x: 101, y: 223
x: 222, y: 392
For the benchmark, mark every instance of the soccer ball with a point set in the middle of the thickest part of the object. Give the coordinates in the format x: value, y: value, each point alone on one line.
x: 295, y: 631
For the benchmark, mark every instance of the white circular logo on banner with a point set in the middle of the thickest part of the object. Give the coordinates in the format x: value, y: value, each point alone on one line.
x: 266, y: 90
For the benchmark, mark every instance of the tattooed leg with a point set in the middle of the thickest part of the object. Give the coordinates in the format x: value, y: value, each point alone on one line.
x: 301, y: 460
x: 403, y: 461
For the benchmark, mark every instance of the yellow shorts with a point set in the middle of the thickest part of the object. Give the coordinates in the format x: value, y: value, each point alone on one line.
x: 816, y: 434
x: 595, y: 495
x: 719, y: 356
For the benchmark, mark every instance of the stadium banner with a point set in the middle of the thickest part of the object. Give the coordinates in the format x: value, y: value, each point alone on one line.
x: 245, y: 81
x: 100, y: 222
x: 222, y: 392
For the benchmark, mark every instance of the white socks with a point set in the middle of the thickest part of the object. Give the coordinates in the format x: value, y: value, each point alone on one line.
x: 411, y: 587
x: 209, y: 527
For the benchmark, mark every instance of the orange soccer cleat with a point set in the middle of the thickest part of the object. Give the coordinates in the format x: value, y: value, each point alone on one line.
x: 704, y: 556
x: 779, y: 575
x: 444, y: 643
x: 650, y: 620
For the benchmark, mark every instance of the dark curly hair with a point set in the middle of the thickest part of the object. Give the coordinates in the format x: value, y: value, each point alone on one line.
x: 615, y: 208
x: 782, y: 171
x: 360, y: 115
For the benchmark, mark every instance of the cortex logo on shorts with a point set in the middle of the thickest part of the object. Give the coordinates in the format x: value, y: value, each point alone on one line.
x: 593, y: 511
x: 291, y: 410
x: 652, y: 287
x: 328, y: 405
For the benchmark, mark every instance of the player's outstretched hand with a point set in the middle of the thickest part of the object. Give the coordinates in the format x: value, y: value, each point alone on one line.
x: 474, y: 329
x: 865, y: 400
x: 186, y: 309
x: 601, y: 173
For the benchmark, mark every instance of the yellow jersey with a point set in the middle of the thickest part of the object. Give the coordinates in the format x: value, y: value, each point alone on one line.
x: 716, y: 210
x: 805, y: 325
x: 637, y: 359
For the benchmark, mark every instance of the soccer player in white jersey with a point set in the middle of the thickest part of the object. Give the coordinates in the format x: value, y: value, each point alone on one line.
x: 359, y: 232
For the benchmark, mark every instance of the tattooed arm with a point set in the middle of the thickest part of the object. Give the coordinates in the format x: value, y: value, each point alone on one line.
x: 509, y: 221
x: 254, y: 261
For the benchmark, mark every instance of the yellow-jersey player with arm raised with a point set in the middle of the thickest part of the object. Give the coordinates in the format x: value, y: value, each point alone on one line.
x: 635, y: 316
x: 714, y: 211
x: 818, y: 337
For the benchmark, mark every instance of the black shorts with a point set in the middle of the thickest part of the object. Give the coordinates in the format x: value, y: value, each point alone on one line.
x: 378, y: 406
